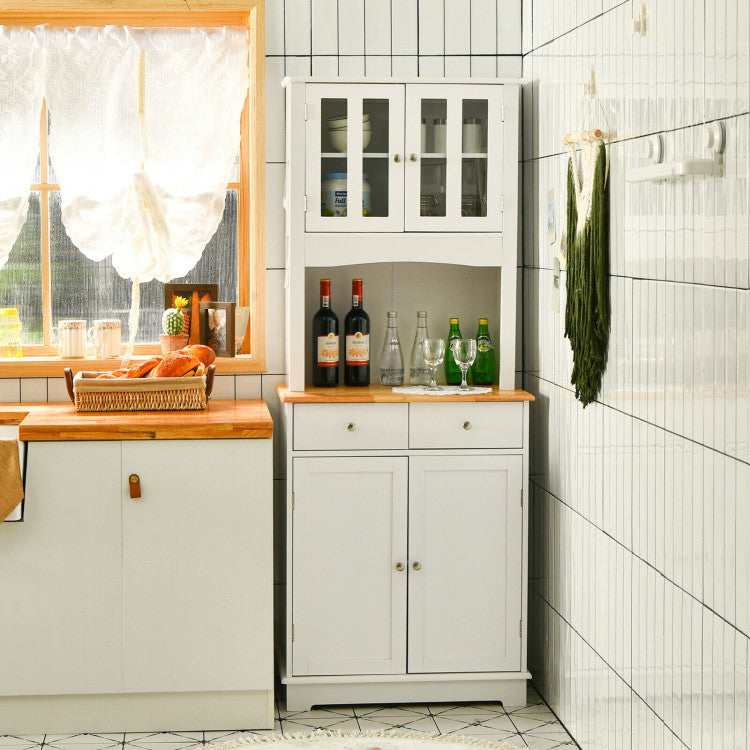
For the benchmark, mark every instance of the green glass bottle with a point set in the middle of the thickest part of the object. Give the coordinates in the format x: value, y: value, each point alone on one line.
x: 452, y: 370
x: 483, y: 369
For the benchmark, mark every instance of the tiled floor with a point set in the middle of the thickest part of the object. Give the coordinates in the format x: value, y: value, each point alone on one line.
x: 533, y: 726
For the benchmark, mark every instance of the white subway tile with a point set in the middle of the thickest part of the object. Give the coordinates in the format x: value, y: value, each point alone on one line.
x: 377, y: 27
x: 404, y: 27
x: 275, y: 322
x: 325, y: 27
x: 32, y: 389
x: 275, y: 28
x: 431, y: 27
x: 485, y: 26
x: 431, y: 66
x: 483, y: 67
x: 458, y: 66
x: 275, y: 126
x: 325, y: 66
x: 405, y: 65
x: 378, y: 66
x: 248, y: 387
x: 297, y: 27
x: 351, y: 27
x: 223, y: 387
x: 352, y: 66
x: 10, y: 390
x: 458, y: 17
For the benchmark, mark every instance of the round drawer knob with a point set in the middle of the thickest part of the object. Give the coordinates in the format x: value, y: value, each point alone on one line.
x: 400, y: 566
x: 397, y: 158
x: 413, y: 157
x: 351, y: 427
x: 467, y: 425
x: 417, y: 566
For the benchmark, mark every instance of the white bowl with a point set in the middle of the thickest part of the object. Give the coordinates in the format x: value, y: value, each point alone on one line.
x: 338, y: 138
x: 340, y: 122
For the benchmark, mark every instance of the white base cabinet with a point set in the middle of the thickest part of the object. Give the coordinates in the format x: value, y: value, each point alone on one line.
x: 406, y: 564
x: 115, y: 598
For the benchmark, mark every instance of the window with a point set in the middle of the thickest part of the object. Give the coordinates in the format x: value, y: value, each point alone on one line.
x: 50, y: 279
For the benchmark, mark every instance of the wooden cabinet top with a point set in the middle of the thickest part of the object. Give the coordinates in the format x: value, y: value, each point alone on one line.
x: 60, y: 421
x: 380, y: 394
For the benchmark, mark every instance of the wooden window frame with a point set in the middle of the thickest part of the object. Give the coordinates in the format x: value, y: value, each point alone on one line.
x: 43, y: 360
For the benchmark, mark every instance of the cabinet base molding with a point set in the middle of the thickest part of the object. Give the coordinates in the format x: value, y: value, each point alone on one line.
x: 302, y: 693
x: 138, y: 712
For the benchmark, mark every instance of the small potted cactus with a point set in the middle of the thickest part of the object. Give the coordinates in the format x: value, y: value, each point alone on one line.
x: 173, y: 324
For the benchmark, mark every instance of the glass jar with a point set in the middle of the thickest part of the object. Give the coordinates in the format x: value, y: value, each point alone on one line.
x: 333, y: 195
x: 10, y: 333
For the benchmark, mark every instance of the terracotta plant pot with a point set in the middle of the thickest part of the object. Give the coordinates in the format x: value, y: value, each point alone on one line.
x: 172, y: 343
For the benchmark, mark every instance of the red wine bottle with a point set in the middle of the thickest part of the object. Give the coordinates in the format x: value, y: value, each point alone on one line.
x: 357, y: 331
x: 325, y: 341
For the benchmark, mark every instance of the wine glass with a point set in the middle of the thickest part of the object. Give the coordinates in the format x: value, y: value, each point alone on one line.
x: 464, y: 352
x: 433, y: 351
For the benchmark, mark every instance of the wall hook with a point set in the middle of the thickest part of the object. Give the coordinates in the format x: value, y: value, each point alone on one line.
x: 640, y: 23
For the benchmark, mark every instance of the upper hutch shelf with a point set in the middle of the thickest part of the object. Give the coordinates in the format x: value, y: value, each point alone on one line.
x: 397, y: 171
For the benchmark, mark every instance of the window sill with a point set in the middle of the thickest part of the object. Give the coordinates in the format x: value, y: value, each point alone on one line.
x: 52, y: 367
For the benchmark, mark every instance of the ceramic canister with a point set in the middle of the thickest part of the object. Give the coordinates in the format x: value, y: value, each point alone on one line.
x: 69, y: 336
x: 105, y: 335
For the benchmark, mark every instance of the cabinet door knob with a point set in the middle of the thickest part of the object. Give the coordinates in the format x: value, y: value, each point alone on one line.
x: 467, y: 425
x: 351, y: 427
x: 134, y: 483
x: 397, y: 158
x: 417, y: 566
x: 400, y: 566
x: 413, y: 157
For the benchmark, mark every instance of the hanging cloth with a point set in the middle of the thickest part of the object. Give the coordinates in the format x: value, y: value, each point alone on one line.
x: 587, y: 312
x: 145, y: 127
x: 21, y: 94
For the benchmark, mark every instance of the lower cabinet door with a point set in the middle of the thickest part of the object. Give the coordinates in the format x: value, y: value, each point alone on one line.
x: 349, y: 565
x: 197, y: 565
x: 465, y: 563
x: 61, y: 575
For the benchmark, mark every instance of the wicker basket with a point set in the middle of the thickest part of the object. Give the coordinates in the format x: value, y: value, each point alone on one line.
x: 93, y: 394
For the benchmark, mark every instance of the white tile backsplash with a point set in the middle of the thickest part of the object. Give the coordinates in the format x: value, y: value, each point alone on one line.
x: 646, y: 538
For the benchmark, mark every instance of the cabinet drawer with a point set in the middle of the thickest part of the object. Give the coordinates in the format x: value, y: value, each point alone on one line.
x: 319, y: 427
x: 466, y: 425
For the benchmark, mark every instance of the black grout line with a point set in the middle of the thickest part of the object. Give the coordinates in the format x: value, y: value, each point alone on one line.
x: 641, y: 559
x: 643, y: 420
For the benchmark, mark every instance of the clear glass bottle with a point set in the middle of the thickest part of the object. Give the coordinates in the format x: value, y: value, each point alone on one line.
x: 10, y: 333
x: 419, y: 373
x: 391, y: 358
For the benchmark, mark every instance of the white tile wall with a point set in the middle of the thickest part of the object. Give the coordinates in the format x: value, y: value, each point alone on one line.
x: 639, y: 593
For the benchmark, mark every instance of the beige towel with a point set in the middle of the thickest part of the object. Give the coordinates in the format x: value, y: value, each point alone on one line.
x: 11, y: 484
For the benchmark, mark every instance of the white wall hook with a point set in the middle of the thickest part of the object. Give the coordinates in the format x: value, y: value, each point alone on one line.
x: 640, y: 23
x: 714, y: 137
x: 654, y: 150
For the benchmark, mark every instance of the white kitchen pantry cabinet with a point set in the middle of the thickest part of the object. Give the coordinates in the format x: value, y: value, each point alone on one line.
x: 115, y: 600
x: 431, y: 166
x: 406, y: 564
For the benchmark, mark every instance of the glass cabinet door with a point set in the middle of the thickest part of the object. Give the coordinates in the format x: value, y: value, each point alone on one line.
x: 454, y: 147
x: 354, y: 146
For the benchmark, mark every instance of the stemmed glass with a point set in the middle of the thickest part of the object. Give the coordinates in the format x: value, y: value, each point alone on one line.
x: 464, y: 352
x: 433, y: 351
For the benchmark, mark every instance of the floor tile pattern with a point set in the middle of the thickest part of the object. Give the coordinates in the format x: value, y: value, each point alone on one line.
x: 530, y: 726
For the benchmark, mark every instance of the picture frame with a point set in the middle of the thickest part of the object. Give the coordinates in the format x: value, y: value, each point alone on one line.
x: 194, y: 294
x: 217, y: 327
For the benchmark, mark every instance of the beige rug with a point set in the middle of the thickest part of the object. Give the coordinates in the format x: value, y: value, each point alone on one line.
x: 375, y: 740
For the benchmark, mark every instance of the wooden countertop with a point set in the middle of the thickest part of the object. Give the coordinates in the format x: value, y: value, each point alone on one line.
x: 60, y: 421
x: 383, y: 394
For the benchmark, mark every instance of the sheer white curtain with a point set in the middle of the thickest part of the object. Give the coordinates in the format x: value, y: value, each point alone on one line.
x: 20, y: 106
x: 145, y: 126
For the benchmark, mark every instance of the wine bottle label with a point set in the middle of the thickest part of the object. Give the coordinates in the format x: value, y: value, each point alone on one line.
x: 355, y: 300
x: 358, y: 349
x: 325, y: 300
x: 328, y: 350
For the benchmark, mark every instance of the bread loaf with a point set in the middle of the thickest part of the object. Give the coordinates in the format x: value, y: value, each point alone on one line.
x: 142, y: 368
x: 204, y: 353
x: 175, y: 365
